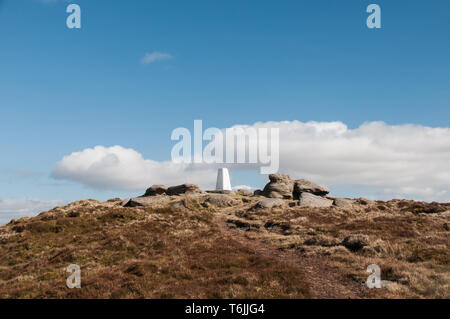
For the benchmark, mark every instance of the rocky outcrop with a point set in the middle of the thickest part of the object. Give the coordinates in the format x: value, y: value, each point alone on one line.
x: 158, y: 194
x: 305, y: 186
x: 220, y: 191
x: 258, y: 192
x: 310, y: 200
x: 269, y: 203
x: 145, y: 201
x: 283, y: 186
x: 183, y: 189
x: 342, y: 202
x: 155, y: 190
x: 244, y: 192
x: 280, y: 186
x: 308, y: 193
x: 221, y: 200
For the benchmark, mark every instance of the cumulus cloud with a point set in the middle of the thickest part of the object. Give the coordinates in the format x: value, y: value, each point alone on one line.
x: 394, y: 160
x: 155, y: 56
x: 410, y: 160
x: 17, y: 208
x: 125, y: 169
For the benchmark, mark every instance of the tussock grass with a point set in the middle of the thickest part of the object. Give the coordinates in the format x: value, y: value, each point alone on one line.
x: 142, y: 252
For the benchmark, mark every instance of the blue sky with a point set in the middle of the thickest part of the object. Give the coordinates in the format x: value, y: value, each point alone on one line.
x: 232, y: 62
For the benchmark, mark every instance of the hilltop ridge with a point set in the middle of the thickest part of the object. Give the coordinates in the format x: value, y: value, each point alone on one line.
x: 194, y: 244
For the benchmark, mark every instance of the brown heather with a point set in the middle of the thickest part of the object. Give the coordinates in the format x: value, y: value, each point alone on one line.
x: 199, y: 250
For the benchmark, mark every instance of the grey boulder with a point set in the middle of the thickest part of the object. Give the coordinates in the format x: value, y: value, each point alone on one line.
x: 342, y: 202
x: 155, y: 190
x: 144, y: 201
x: 280, y: 186
x: 258, y: 192
x: 270, y: 203
x: 183, y: 189
x: 221, y: 200
x: 244, y: 192
x: 310, y: 200
x: 305, y: 186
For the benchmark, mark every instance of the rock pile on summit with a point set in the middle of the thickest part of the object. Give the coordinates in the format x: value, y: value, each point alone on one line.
x: 159, y: 193
x: 156, y: 190
x: 183, y: 189
x: 280, y: 186
x: 305, y: 186
x: 306, y: 192
x: 308, y: 199
x: 171, y: 191
x: 281, y: 190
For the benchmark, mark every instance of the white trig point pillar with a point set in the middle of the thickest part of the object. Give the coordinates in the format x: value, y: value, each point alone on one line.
x: 223, y: 180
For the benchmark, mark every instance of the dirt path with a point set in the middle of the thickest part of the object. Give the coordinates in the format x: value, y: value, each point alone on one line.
x: 323, y: 281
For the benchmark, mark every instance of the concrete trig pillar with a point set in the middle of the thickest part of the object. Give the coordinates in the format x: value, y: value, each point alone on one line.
x: 223, y: 180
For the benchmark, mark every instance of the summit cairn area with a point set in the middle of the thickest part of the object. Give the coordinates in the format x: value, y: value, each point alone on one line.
x: 281, y: 190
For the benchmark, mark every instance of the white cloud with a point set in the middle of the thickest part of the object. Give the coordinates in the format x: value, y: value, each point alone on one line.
x: 403, y: 160
x: 395, y: 161
x: 17, y: 208
x: 155, y: 56
x: 125, y: 169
